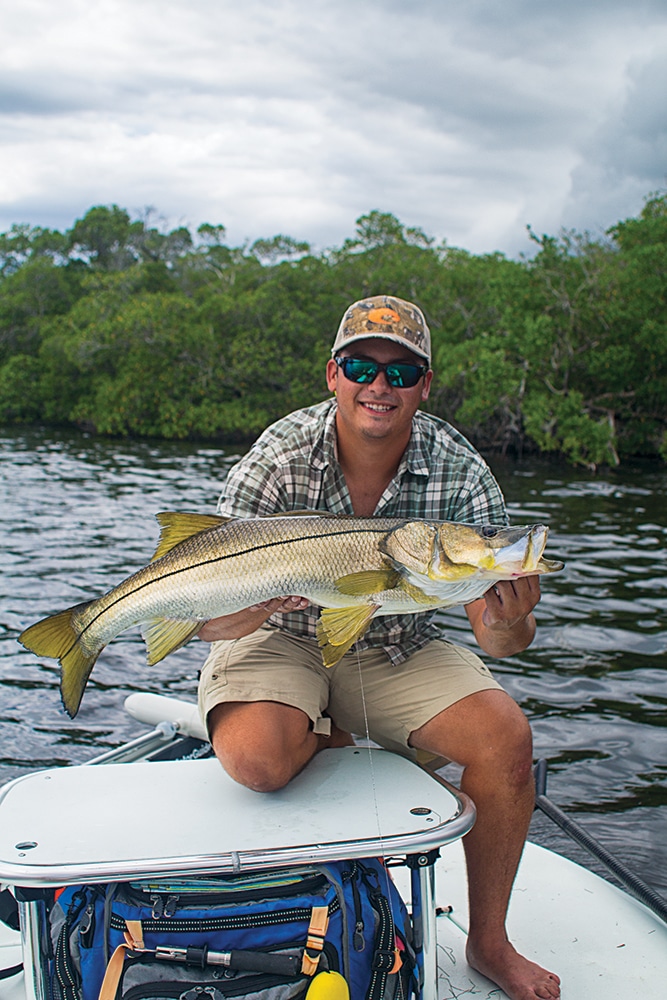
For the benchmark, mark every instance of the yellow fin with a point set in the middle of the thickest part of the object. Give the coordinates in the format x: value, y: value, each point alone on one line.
x: 163, y: 635
x: 417, y: 594
x: 339, y: 628
x: 58, y: 638
x: 304, y: 513
x: 177, y: 526
x: 453, y: 572
x: 368, y: 582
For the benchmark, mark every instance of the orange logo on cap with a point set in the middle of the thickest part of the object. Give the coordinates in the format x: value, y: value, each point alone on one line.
x: 384, y: 316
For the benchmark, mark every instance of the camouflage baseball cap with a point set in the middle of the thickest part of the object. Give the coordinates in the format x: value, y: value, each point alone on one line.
x: 387, y: 317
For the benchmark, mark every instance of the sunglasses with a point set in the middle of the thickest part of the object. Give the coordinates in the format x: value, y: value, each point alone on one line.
x: 400, y: 374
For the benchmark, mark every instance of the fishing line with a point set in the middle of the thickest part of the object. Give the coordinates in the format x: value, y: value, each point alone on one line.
x: 374, y: 786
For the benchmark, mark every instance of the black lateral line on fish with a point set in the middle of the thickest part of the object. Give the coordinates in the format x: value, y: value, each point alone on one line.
x: 208, y: 562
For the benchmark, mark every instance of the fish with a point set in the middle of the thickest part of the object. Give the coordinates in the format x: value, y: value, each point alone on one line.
x: 354, y: 569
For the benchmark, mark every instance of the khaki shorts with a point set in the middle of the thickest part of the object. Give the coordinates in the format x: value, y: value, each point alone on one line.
x: 392, y: 701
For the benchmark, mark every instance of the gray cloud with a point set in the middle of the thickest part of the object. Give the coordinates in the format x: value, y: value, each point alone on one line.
x: 469, y: 119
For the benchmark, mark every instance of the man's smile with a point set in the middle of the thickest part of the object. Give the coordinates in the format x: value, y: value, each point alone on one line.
x: 378, y: 407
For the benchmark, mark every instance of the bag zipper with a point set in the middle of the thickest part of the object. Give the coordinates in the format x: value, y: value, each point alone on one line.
x: 204, y: 991
x: 162, y: 906
x: 227, y: 923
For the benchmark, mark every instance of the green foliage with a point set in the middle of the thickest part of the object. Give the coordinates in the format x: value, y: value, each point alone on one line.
x: 124, y: 327
x: 19, y: 400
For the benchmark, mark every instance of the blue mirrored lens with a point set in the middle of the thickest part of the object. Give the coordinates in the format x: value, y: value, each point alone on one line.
x: 400, y: 374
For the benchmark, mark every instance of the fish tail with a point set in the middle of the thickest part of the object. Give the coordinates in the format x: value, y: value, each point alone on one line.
x: 59, y: 638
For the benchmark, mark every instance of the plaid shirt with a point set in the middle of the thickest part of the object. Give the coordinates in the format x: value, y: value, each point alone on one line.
x: 293, y: 466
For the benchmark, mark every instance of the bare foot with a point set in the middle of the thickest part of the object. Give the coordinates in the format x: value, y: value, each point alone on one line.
x: 520, y: 978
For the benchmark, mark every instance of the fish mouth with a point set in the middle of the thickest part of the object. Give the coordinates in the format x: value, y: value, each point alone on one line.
x: 522, y: 556
x: 502, y: 553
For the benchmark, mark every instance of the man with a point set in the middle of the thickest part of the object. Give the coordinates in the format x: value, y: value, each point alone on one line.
x: 269, y: 703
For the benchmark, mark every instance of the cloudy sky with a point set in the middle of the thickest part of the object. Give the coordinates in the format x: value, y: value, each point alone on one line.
x: 467, y: 118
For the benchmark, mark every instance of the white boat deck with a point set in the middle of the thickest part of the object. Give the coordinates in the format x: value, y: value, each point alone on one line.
x: 602, y: 943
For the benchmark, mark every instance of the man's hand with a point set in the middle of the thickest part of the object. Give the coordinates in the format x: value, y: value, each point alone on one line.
x: 510, y: 602
x: 250, y: 619
x: 502, y: 620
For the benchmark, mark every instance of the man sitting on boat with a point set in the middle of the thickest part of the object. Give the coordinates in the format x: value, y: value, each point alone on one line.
x: 269, y: 703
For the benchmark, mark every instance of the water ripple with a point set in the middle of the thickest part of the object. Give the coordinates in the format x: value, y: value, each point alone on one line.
x: 79, y: 516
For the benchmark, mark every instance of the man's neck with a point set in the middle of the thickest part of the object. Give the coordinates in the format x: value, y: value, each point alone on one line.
x: 368, y: 465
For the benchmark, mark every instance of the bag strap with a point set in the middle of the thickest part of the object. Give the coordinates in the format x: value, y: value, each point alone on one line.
x: 387, y: 959
x: 134, y: 941
x: 65, y: 970
x: 317, y: 929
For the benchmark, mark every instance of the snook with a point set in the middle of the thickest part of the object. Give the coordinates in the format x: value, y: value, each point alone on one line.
x: 354, y: 568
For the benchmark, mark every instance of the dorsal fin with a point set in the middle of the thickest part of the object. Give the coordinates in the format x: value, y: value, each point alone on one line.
x: 304, y: 513
x: 177, y: 526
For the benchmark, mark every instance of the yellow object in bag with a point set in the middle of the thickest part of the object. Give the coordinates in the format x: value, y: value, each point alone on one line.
x: 328, y: 986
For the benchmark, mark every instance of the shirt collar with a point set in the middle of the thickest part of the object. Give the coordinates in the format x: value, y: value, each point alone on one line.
x: 324, y: 449
x: 416, y: 458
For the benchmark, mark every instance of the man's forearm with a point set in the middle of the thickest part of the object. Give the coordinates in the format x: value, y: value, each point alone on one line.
x: 234, y: 626
x: 499, y: 642
x: 248, y: 620
x: 503, y: 620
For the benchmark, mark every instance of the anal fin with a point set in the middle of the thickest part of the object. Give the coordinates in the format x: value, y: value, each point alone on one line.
x: 339, y: 628
x: 417, y: 595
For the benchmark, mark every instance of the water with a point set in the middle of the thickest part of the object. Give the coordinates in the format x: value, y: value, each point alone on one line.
x: 78, y: 517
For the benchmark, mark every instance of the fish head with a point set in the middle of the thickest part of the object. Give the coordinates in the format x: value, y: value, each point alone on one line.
x: 411, y: 546
x: 449, y: 552
x: 499, y: 552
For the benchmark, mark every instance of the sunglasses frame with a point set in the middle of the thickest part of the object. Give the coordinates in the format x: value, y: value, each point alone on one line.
x: 379, y: 366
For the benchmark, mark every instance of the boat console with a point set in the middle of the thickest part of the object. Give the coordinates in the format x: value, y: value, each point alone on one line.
x: 119, y: 821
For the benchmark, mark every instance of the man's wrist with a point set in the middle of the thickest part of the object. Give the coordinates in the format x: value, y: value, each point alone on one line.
x: 499, y: 641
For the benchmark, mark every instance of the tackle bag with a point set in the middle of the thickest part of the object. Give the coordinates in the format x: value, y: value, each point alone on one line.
x: 264, y: 935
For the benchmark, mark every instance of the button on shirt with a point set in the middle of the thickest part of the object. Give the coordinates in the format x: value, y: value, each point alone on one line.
x: 293, y: 466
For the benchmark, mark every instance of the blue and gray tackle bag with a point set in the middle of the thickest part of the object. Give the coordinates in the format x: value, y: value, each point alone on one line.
x: 262, y: 935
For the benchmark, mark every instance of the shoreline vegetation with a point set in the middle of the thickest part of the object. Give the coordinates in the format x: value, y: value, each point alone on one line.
x: 124, y: 328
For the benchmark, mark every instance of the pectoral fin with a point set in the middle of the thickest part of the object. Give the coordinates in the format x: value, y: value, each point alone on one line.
x: 339, y: 628
x: 163, y: 635
x: 368, y: 582
x: 177, y: 526
x: 417, y: 595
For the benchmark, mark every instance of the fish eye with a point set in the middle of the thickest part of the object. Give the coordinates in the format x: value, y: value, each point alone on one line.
x: 489, y: 532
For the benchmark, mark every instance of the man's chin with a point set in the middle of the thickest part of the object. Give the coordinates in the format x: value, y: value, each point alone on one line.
x: 376, y: 431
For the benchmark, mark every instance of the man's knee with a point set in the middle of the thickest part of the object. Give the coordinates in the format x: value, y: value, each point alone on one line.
x: 261, y: 745
x: 487, y: 728
x: 506, y: 746
x: 259, y: 774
